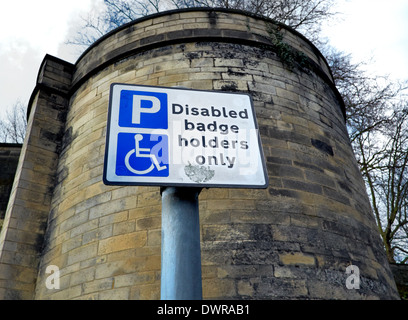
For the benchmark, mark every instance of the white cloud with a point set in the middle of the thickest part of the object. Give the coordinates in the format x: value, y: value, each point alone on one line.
x: 29, y: 30
x: 374, y: 30
x: 18, y: 72
x: 42, y: 23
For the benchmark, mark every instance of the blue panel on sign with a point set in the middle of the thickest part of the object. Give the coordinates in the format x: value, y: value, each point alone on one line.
x: 142, y: 155
x: 142, y: 109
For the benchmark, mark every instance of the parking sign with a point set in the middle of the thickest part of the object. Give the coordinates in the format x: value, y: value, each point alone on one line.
x: 180, y: 137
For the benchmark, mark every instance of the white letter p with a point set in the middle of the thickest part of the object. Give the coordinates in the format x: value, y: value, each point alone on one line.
x: 137, y: 107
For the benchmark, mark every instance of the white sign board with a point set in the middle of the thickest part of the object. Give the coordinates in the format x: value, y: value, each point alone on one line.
x: 180, y: 137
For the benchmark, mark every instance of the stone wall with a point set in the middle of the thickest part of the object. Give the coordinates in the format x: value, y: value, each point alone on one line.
x: 9, y: 154
x: 400, y: 272
x: 293, y: 240
x: 22, y: 236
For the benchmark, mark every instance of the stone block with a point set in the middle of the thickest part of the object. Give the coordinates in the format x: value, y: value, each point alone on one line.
x: 122, y: 242
x: 297, y: 259
x: 82, y: 253
x: 218, y: 287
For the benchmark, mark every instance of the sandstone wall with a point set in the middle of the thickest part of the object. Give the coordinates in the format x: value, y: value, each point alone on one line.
x: 293, y: 240
x: 9, y: 154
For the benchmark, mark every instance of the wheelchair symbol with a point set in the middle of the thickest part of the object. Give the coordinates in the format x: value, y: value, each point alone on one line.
x: 142, y: 153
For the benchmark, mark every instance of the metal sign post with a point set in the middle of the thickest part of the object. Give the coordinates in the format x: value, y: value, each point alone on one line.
x: 182, y: 140
x: 180, y: 252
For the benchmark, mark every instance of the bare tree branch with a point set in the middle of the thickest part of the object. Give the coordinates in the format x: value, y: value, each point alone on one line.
x: 305, y: 16
x: 13, y: 127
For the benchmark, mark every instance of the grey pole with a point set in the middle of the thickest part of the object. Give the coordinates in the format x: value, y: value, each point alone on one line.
x: 180, y: 251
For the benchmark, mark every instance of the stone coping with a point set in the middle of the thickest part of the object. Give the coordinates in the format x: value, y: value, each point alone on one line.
x: 184, y: 26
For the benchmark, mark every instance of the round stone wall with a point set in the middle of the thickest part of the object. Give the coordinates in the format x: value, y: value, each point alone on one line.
x: 293, y: 240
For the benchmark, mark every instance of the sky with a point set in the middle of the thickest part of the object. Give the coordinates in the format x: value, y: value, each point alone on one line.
x: 28, y: 31
x: 374, y: 31
x: 371, y: 30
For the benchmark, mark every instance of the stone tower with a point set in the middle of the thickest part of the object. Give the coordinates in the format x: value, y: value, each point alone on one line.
x: 293, y: 240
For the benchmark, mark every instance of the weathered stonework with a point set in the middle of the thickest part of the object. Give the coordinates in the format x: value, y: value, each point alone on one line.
x: 22, y: 235
x: 293, y: 240
x: 400, y: 272
x: 9, y: 154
